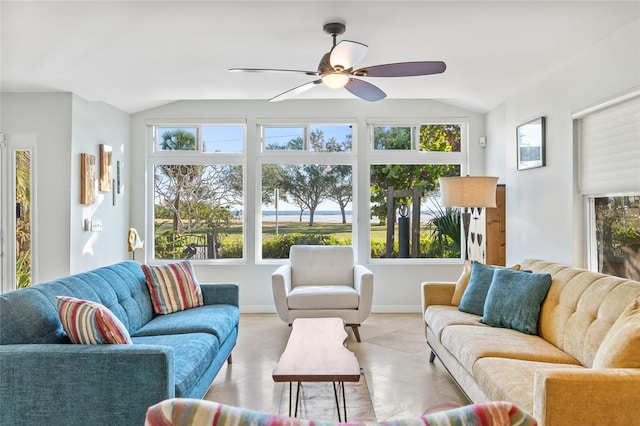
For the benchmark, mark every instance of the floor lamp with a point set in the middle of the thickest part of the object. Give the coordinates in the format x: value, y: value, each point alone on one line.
x: 469, y: 193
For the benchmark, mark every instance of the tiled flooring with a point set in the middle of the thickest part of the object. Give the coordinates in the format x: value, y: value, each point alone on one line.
x: 393, y: 354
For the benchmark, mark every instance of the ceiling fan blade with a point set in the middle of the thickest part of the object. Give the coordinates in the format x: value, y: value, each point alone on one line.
x: 364, y: 90
x: 295, y: 91
x: 273, y: 70
x: 347, y: 53
x: 402, y: 69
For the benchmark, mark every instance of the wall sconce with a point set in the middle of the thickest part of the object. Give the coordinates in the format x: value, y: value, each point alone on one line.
x: 468, y: 192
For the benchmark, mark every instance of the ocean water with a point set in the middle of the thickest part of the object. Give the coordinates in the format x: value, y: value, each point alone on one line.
x: 321, y: 216
x: 324, y: 216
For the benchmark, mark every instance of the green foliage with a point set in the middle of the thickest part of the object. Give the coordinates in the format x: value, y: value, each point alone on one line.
x: 378, y: 249
x: 23, y: 224
x: 278, y: 247
x: 23, y: 269
x: 392, y: 137
x: 161, y: 212
x: 231, y: 248
x: 170, y: 245
x: 446, y: 233
x: 616, y: 224
x: 443, y: 138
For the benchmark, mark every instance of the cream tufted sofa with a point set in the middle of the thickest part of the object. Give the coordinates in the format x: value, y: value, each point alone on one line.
x: 583, y: 367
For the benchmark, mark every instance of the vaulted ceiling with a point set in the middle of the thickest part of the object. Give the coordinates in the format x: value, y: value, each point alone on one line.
x: 140, y: 54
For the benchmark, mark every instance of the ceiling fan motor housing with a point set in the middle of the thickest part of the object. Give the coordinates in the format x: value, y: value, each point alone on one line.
x: 334, y: 28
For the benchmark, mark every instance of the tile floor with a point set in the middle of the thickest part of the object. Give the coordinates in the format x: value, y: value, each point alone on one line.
x: 393, y: 354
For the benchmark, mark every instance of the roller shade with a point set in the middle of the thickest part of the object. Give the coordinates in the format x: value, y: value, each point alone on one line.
x: 609, y: 149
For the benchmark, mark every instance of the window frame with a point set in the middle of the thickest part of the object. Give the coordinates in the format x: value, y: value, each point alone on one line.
x: 588, y: 246
x: 301, y: 157
x: 413, y: 157
x: 155, y: 157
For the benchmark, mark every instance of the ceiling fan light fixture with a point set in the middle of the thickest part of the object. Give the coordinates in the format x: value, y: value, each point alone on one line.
x: 335, y: 80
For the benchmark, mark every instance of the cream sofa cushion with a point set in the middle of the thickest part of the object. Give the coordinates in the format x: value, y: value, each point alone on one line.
x: 621, y: 347
x: 580, y: 307
x: 512, y: 380
x: 438, y: 317
x: 323, y: 297
x: 321, y: 265
x: 470, y: 343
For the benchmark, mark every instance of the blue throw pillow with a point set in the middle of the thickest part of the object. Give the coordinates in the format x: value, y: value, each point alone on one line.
x: 514, y: 300
x: 472, y: 300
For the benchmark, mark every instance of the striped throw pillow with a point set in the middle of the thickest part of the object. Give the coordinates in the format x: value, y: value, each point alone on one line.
x: 90, y: 323
x: 173, y: 287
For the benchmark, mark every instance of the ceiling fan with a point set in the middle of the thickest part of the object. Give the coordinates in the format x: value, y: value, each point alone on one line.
x: 336, y: 69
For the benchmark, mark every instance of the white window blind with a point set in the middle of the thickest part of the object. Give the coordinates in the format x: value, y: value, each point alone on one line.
x: 609, y: 149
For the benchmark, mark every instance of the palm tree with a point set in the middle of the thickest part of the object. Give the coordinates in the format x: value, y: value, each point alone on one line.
x: 180, y: 175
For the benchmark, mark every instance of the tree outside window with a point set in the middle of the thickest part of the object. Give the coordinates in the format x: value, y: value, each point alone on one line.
x: 197, y: 207
x: 439, y: 227
x: 617, y: 224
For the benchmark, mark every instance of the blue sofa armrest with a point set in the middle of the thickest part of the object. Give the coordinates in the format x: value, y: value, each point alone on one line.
x: 83, y: 384
x: 221, y: 294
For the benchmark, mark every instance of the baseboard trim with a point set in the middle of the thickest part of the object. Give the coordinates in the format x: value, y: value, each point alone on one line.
x: 376, y: 309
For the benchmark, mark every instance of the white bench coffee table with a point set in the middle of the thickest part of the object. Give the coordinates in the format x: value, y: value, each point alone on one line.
x: 316, y: 352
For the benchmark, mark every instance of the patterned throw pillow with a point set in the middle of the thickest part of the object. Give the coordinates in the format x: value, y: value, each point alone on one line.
x: 90, y: 323
x: 173, y: 287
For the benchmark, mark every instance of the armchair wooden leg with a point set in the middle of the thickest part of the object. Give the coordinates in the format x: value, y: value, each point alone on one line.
x: 356, y: 332
x: 229, y: 361
x: 432, y: 356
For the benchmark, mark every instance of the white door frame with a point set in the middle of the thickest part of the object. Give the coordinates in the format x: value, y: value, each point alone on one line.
x: 12, y: 144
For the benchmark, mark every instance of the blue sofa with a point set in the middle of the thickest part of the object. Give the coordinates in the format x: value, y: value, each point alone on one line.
x: 46, y: 380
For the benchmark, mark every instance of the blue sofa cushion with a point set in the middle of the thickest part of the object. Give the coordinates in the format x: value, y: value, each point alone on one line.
x: 30, y: 315
x: 193, y: 353
x: 514, y: 300
x: 218, y: 320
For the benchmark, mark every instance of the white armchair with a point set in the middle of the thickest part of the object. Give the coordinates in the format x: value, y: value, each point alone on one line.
x: 321, y: 282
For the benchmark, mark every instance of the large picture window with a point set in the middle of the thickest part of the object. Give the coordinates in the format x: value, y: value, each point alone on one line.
x: 197, y: 195
x: 407, y: 220
x: 307, y: 187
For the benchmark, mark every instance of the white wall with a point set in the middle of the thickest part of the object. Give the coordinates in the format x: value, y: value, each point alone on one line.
x: 48, y: 116
x: 65, y: 125
x: 96, y: 123
x: 544, y: 212
x: 397, y: 286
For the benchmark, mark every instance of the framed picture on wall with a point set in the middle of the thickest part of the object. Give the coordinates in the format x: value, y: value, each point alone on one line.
x: 87, y: 178
x: 105, y: 167
x: 530, y: 139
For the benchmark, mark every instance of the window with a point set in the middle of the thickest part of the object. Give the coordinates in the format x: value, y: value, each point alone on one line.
x: 609, y: 180
x: 406, y: 163
x: 617, y: 235
x: 198, y: 187
x: 306, y: 186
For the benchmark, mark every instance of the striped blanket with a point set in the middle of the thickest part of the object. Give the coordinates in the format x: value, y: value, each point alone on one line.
x: 194, y: 412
